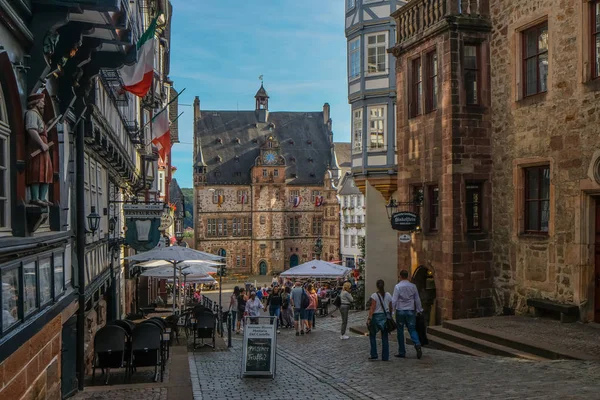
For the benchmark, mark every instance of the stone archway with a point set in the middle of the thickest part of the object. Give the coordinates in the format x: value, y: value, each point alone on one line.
x: 423, y: 278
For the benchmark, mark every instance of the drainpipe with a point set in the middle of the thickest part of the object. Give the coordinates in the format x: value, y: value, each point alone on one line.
x: 80, y: 245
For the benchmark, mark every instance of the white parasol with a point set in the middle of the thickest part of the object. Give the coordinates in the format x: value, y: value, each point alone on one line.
x: 316, y: 269
x: 174, y: 255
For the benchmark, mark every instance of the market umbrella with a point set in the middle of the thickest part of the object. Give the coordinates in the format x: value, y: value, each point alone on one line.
x: 174, y: 255
x: 166, y: 271
x: 316, y: 269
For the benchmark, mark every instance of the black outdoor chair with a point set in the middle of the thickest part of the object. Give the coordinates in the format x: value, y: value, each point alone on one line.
x: 127, y: 325
x: 206, y: 322
x: 171, y: 322
x: 146, y: 349
x: 110, y: 350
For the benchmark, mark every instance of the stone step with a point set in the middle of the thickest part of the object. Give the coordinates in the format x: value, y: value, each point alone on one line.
x: 519, y: 343
x: 435, y: 333
x: 447, y: 345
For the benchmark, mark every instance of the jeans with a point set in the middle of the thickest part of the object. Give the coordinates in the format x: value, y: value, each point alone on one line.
x: 378, y: 324
x: 299, y: 314
x: 344, y: 308
x: 309, y: 314
x: 275, y: 312
x: 408, y: 318
x: 233, y: 318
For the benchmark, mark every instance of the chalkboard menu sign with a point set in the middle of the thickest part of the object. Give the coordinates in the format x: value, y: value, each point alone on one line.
x: 260, y: 346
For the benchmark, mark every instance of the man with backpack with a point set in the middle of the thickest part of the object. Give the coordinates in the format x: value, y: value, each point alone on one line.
x: 299, y: 300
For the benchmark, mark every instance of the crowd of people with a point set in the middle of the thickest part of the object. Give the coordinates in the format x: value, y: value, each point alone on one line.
x: 294, y: 304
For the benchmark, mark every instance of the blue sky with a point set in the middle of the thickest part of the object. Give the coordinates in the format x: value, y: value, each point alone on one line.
x: 219, y: 48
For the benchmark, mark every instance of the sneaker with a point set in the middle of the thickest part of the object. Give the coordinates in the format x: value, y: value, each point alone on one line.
x: 297, y: 333
x: 372, y: 358
x: 345, y: 337
x: 342, y: 337
x: 278, y: 331
x: 419, y: 352
x: 302, y: 332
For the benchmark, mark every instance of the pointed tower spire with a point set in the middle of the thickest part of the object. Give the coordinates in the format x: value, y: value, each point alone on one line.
x: 262, y: 104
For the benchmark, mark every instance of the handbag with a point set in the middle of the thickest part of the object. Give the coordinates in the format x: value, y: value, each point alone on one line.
x: 390, y: 324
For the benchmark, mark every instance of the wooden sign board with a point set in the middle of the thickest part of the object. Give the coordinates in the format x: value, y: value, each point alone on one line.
x: 260, y: 348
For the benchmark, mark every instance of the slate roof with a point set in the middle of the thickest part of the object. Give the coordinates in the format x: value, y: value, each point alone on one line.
x: 344, y: 158
x: 346, y: 187
x: 176, y: 194
x: 302, y: 136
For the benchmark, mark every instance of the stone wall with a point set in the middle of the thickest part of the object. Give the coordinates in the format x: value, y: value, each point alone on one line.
x: 449, y: 148
x: 270, y: 207
x: 558, y: 128
x: 33, y: 370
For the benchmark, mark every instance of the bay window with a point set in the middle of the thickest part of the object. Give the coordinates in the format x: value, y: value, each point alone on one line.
x: 357, y: 121
x: 354, y: 58
x: 376, y: 127
x: 376, y: 53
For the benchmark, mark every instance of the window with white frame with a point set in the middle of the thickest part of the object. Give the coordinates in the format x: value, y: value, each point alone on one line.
x: 354, y: 58
x: 376, y: 127
x: 357, y: 130
x: 376, y: 53
x: 346, y: 241
x: 359, y: 200
x: 94, y: 183
x: 4, y: 163
x: 353, y: 241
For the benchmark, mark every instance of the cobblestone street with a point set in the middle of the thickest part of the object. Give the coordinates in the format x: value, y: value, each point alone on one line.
x: 320, y: 365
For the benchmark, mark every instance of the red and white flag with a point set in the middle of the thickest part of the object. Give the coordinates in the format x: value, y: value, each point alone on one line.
x: 137, y: 78
x: 161, y: 134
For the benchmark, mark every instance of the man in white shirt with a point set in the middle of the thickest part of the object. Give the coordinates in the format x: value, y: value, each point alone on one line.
x: 407, y: 302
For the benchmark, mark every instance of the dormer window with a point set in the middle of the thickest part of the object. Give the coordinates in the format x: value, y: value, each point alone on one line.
x: 237, y: 140
x: 309, y: 142
x: 294, y: 175
x: 312, y: 175
x: 310, y: 159
x: 236, y: 158
x: 254, y: 140
x: 293, y: 159
x: 290, y: 141
x: 219, y: 140
x: 218, y: 158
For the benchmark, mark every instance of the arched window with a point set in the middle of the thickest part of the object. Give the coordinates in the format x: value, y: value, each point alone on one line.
x: 222, y: 253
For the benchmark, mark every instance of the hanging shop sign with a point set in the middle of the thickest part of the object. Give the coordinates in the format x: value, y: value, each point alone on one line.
x: 404, y: 238
x: 405, y: 221
x: 166, y: 221
x: 142, y: 222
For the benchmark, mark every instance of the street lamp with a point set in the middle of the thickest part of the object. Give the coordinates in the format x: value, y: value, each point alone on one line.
x: 93, y: 220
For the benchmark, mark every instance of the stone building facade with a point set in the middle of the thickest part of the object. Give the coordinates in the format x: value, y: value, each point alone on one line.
x: 546, y: 152
x: 444, y: 151
x: 265, y: 186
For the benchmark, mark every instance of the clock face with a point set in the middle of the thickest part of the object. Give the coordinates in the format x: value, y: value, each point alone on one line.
x: 269, y: 157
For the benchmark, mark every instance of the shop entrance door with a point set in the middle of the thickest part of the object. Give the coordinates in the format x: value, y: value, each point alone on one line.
x: 597, y: 274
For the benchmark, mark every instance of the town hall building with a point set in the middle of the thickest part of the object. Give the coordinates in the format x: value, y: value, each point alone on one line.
x: 265, y: 187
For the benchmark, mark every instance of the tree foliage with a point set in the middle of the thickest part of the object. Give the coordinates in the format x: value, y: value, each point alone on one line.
x: 188, y: 195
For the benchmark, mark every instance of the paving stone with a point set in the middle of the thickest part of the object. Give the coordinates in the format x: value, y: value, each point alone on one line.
x: 320, y: 365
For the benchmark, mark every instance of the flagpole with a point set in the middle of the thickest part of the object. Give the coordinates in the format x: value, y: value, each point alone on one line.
x: 163, y: 109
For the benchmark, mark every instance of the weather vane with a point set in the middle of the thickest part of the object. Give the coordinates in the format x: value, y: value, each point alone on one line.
x: 261, y: 79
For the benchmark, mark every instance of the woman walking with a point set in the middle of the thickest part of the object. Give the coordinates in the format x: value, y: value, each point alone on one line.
x: 274, y: 303
x: 253, y: 307
x: 233, y: 304
x: 286, y: 309
x: 381, y: 306
x: 241, y: 301
x: 312, y: 307
x: 346, y: 301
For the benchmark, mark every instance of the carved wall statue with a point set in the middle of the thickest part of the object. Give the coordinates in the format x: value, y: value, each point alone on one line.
x: 39, y: 171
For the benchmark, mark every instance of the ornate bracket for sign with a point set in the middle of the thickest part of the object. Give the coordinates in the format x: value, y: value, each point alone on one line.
x: 405, y: 221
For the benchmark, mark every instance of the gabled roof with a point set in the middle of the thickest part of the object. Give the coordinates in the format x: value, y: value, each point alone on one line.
x: 343, y: 155
x: 347, y: 187
x: 230, y: 142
